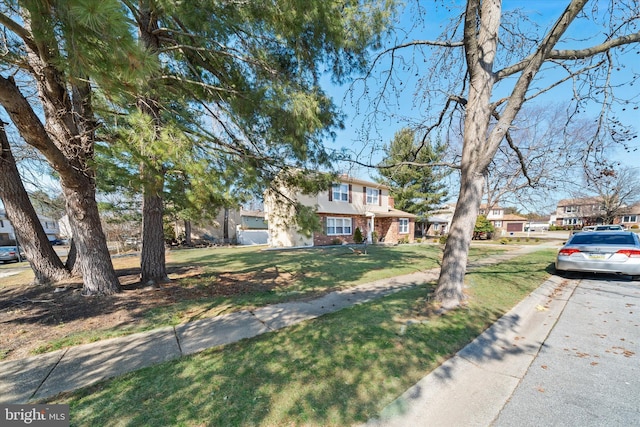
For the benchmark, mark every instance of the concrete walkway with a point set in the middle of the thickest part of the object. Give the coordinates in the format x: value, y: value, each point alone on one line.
x: 48, y: 374
x: 472, y: 387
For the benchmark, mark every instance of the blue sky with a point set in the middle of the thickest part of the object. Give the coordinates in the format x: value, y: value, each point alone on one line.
x: 362, y: 136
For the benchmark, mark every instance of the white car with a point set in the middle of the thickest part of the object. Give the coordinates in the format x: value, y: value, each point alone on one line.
x: 614, y: 252
x: 609, y: 227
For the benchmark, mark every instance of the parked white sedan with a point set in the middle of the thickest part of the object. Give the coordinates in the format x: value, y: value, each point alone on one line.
x: 616, y: 252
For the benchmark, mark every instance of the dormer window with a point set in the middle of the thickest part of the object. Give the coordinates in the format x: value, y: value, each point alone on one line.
x: 340, y: 192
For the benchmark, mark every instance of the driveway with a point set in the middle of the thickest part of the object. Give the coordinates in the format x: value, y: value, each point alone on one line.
x: 588, y: 370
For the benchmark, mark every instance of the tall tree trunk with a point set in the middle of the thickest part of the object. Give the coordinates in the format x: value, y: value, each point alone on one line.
x: 93, y: 257
x: 152, y: 263
x: 44, y: 261
x: 480, y: 48
x: 225, y: 226
x: 68, y: 149
x: 454, y: 263
x: 152, y: 259
x: 187, y: 232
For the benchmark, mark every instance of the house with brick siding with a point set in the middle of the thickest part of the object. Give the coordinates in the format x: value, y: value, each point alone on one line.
x: 348, y: 204
x: 509, y: 223
x: 579, y: 212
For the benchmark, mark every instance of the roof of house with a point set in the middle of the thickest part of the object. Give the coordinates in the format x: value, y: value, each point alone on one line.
x: 512, y: 217
x: 436, y: 220
x: 580, y: 201
x: 351, y: 180
x: 394, y: 213
x: 258, y: 214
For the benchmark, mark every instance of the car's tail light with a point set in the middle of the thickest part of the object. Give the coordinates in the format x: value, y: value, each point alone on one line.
x: 631, y: 253
x: 568, y: 251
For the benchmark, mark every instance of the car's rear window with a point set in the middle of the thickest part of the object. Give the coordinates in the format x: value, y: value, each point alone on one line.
x: 602, y: 239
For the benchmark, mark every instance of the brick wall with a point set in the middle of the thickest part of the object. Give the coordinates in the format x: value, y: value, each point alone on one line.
x: 386, y: 228
x: 321, y: 238
x: 389, y: 229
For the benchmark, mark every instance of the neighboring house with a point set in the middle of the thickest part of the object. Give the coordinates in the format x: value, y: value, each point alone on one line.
x: 578, y: 212
x: 7, y: 233
x: 631, y: 218
x: 6, y: 230
x: 439, y: 221
x: 509, y: 223
x: 512, y: 223
x: 542, y: 224
x: 350, y: 203
x: 244, y: 227
x: 585, y: 211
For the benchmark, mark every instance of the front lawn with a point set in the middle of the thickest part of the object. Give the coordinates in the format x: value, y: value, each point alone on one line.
x: 339, y: 369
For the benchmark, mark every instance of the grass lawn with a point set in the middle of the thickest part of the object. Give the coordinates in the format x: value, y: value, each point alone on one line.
x: 214, y: 281
x: 339, y: 369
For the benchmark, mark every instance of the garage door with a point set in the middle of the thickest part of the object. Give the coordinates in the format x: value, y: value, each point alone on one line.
x: 515, y: 226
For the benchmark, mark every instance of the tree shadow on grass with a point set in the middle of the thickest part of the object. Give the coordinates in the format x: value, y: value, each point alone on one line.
x: 339, y: 369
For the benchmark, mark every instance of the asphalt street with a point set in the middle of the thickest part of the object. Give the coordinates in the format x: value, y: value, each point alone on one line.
x: 587, y: 373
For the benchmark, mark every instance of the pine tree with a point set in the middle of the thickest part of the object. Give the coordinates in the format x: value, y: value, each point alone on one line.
x: 416, y: 185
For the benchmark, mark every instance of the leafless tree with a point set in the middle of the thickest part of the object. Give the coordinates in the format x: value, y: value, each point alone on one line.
x: 487, y: 64
x: 539, y: 158
x: 617, y: 189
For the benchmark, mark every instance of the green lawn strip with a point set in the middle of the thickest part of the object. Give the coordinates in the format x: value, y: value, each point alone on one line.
x: 339, y: 369
x: 314, y: 272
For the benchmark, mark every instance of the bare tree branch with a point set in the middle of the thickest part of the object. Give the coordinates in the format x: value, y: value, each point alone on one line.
x: 571, y: 54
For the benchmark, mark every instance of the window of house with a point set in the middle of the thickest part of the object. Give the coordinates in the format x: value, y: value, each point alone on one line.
x: 341, y: 192
x: 571, y: 221
x: 630, y: 218
x: 338, y: 226
x: 1, y: 223
x: 436, y: 227
x: 569, y: 209
x: 403, y: 225
x: 497, y: 223
x: 373, y: 196
x: 482, y: 211
x: 495, y: 212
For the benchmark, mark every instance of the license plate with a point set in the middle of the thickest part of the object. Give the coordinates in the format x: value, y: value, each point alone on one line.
x: 596, y: 256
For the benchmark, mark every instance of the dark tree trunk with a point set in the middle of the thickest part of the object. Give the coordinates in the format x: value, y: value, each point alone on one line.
x: 225, y: 226
x: 67, y: 144
x: 44, y: 261
x: 187, y: 232
x: 72, y: 257
x: 93, y: 257
x: 152, y: 263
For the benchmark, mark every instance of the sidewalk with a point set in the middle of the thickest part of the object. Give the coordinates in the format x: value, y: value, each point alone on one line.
x: 48, y: 374
x: 472, y: 387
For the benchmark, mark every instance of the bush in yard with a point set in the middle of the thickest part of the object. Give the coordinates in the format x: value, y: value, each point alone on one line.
x: 357, y: 236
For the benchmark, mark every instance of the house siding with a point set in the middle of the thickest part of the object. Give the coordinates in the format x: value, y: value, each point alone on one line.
x: 283, y: 232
